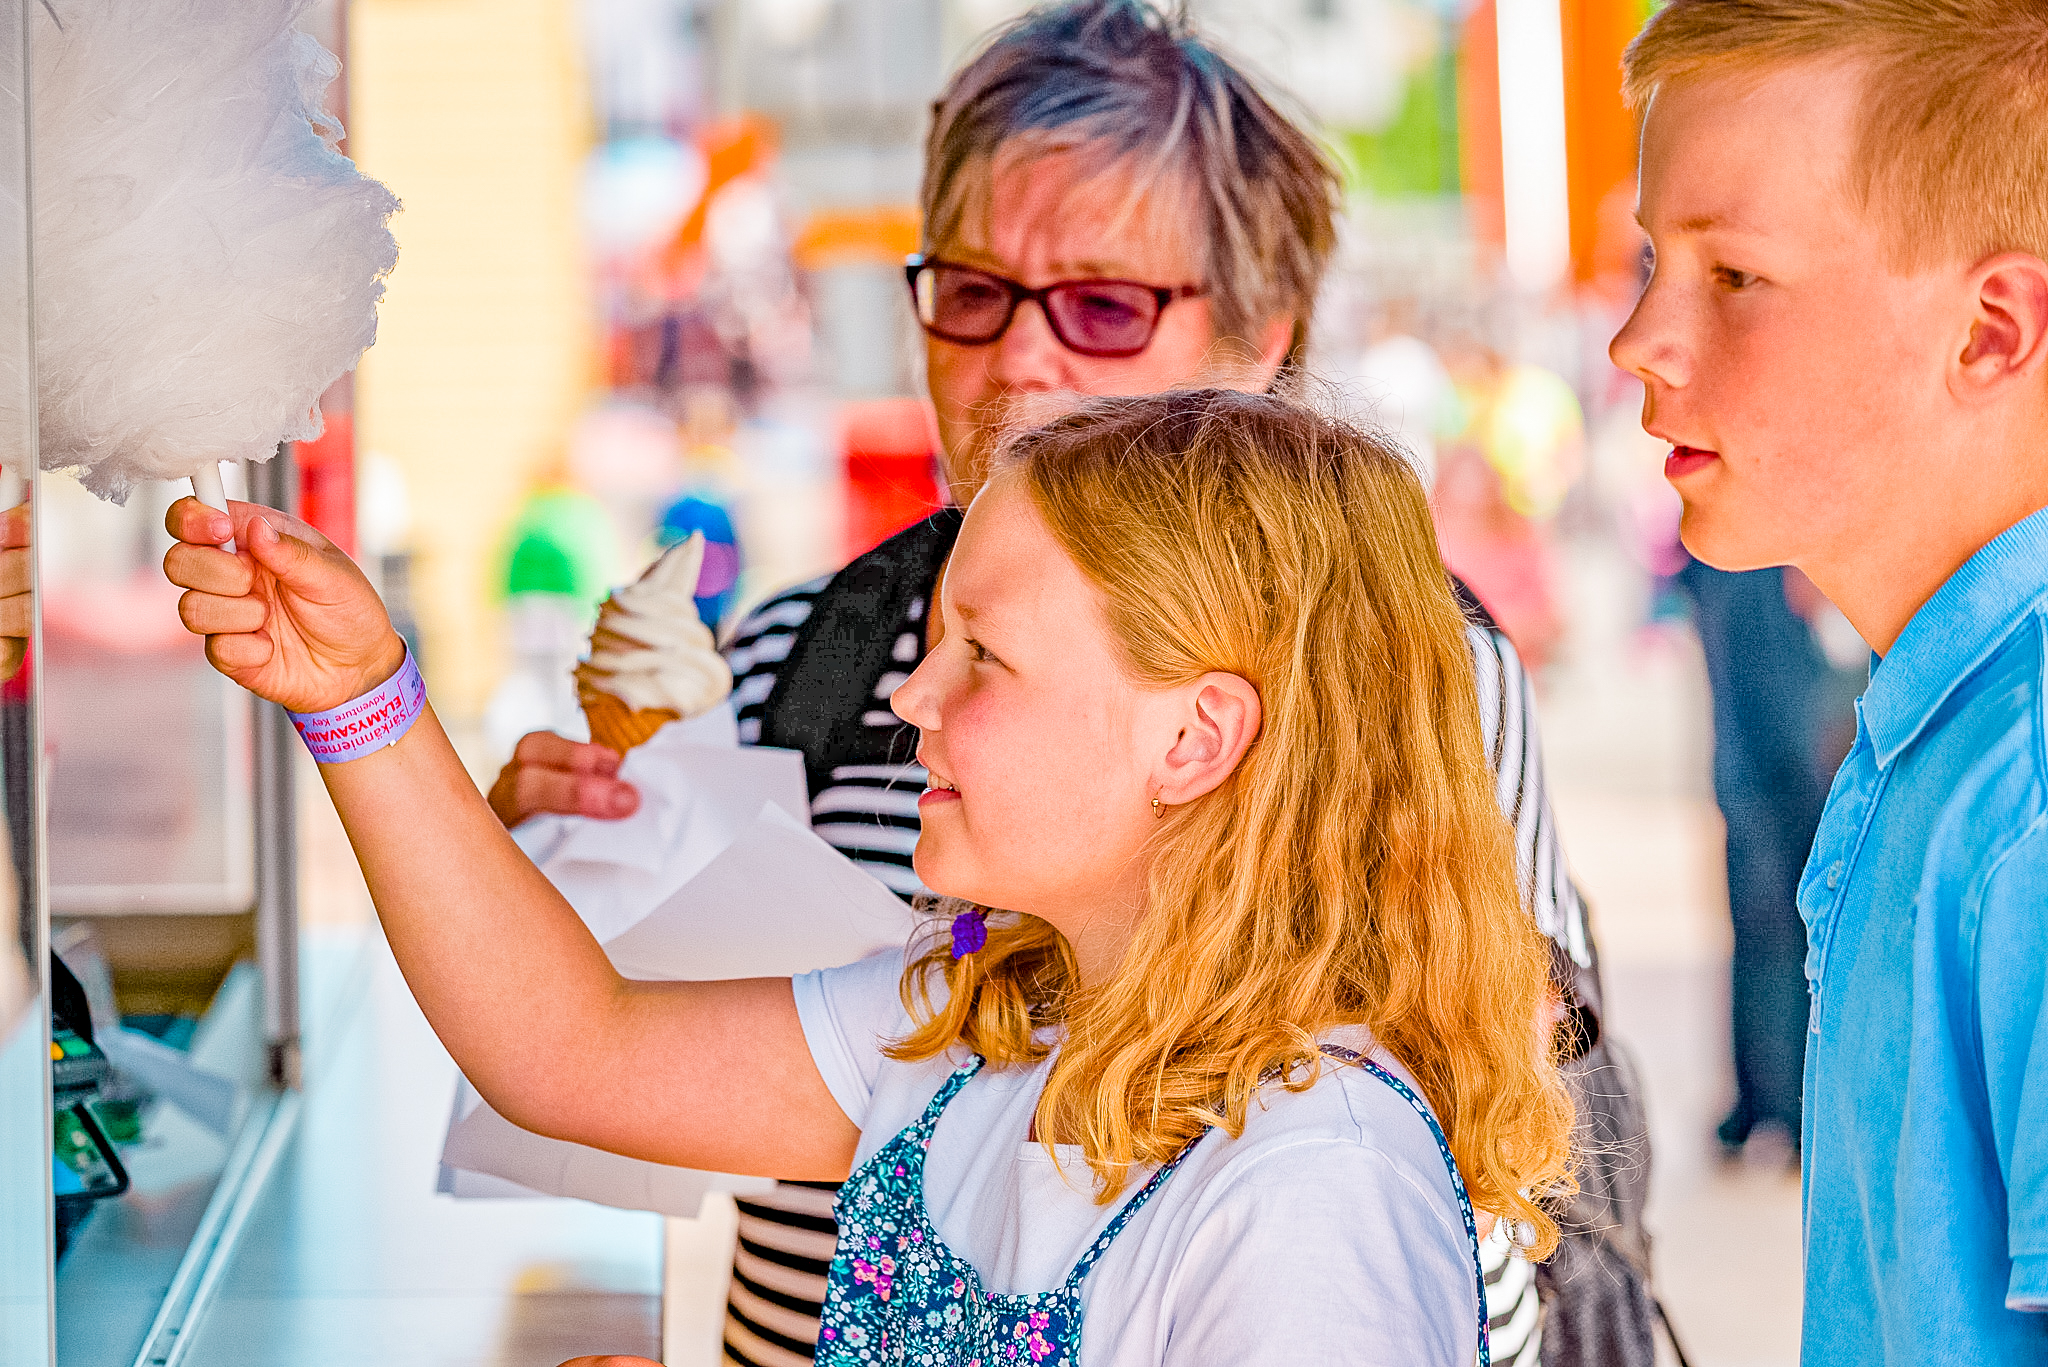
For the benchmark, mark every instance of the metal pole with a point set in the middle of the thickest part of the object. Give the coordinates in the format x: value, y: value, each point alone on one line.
x: 273, y: 484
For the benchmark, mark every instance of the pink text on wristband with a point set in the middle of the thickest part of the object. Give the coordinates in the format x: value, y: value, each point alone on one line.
x: 363, y: 724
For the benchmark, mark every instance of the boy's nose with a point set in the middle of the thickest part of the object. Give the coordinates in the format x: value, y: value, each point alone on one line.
x: 1645, y: 347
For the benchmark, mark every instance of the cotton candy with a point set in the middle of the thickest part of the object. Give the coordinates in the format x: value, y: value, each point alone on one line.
x: 206, y: 262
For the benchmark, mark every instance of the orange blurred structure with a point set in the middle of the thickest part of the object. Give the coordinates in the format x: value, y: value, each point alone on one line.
x: 327, y: 479
x: 1479, y: 165
x: 883, y: 235
x: 734, y: 147
x: 891, y: 447
x: 1600, y: 133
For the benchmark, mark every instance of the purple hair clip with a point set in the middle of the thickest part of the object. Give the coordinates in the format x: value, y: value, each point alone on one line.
x: 970, y: 932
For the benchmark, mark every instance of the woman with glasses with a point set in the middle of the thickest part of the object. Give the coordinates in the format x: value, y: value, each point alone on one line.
x: 1109, y: 208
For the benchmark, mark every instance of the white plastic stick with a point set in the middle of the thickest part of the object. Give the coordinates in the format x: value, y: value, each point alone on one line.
x: 206, y: 487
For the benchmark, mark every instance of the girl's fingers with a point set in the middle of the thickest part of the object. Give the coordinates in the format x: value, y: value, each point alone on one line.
x: 239, y: 653
x: 191, y: 521
x: 206, y: 614
x: 284, y: 524
x: 303, y: 568
x: 209, y: 569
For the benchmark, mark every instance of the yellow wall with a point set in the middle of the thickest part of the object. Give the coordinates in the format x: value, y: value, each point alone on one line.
x: 473, y: 112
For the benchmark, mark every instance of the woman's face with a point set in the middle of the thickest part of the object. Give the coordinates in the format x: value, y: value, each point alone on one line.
x: 1052, y: 218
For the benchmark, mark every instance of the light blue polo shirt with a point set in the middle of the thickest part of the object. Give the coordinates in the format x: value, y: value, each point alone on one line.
x: 1926, y: 906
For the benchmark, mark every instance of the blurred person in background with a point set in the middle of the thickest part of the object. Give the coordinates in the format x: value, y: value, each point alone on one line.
x: 1110, y: 208
x: 1770, y: 684
x: 1412, y: 396
x: 1502, y: 555
x: 1503, y: 479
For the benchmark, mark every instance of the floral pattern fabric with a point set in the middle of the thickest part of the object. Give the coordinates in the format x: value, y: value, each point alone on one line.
x: 896, y: 1294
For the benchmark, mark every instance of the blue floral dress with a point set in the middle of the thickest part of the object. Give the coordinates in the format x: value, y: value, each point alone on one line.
x: 897, y: 1294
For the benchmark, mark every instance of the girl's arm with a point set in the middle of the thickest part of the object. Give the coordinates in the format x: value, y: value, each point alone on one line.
x: 706, y: 1075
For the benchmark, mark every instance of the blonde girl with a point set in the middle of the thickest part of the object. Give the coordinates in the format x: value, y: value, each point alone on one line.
x: 1259, y: 1012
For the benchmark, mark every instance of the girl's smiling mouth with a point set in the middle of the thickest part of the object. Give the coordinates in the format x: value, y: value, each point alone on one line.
x: 937, y: 790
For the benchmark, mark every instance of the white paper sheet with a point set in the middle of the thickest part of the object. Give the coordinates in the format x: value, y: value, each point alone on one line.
x: 777, y: 902
x: 718, y: 875
x: 645, y: 765
x: 487, y: 1156
x: 695, y: 798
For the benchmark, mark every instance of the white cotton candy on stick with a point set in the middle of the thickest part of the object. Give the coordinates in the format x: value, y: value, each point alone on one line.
x: 206, y: 262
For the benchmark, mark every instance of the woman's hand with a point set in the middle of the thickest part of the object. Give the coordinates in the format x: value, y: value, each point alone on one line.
x: 288, y: 617
x: 551, y: 773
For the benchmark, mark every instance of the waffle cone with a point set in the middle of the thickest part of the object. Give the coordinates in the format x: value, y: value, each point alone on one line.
x: 619, y: 726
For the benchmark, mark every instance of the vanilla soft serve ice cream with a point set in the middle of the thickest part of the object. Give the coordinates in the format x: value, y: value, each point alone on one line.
x: 652, y: 660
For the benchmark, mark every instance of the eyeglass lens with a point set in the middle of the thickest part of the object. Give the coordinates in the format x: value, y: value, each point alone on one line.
x: 1094, y: 317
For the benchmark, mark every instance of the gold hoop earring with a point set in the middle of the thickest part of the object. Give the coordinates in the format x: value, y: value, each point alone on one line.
x: 1157, y: 810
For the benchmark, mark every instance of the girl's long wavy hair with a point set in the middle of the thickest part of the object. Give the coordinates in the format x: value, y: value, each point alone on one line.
x: 1353, y: 870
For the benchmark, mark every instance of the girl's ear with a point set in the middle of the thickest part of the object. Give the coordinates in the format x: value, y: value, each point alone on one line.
x: 1222, y: 718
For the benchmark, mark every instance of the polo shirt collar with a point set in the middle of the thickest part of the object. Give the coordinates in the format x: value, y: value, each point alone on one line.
x: 1968, y: 618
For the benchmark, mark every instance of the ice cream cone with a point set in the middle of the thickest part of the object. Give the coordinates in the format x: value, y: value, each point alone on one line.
x: 617, y: 725
x: 651, y: 660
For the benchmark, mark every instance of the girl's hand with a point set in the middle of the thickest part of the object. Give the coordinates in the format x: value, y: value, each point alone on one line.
x: 288, y: 617
x: 511, y: 980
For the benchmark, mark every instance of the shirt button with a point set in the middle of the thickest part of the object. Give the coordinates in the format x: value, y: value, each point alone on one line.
x: 1834, y: 873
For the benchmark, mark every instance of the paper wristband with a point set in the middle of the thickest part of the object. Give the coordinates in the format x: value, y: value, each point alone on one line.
x: 370, y: 722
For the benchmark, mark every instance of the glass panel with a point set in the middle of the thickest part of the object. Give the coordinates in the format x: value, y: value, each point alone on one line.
x: 173, y: 931
x: 25, y: 1101
x: 151, y: 874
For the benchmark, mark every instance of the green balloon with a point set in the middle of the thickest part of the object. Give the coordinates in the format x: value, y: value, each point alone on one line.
x: 562, y: 543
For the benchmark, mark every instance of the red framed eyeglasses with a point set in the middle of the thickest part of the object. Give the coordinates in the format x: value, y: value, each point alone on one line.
x: 1104, y: 318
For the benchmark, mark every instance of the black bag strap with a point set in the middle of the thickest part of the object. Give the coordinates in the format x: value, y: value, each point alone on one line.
x: 1469, y: 604
x: 826, y: 684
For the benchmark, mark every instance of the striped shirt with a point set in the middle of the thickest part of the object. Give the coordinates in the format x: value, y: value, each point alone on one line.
x: 869, y: 813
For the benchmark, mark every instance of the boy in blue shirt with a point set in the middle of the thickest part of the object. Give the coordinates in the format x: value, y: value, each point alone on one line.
x: 1845, y: 339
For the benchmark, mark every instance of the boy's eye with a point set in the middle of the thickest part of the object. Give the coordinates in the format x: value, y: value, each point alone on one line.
x: 979, y: 653
x: 1733, y: 279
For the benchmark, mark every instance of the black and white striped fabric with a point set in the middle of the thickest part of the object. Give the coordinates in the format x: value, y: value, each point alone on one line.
x: 869, y: 811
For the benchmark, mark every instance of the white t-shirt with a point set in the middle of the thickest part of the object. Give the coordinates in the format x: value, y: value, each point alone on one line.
x: 1327, y: 1233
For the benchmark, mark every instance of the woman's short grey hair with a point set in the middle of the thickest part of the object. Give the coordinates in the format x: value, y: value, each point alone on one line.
x: 1129, y: 84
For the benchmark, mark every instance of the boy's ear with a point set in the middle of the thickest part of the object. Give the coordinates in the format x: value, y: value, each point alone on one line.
x: 2009, y: 332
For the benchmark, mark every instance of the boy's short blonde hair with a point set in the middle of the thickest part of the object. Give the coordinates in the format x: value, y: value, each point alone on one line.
x: 1952, y: 144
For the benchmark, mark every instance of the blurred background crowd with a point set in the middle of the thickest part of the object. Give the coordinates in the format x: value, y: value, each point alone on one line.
x: 651, y: 284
